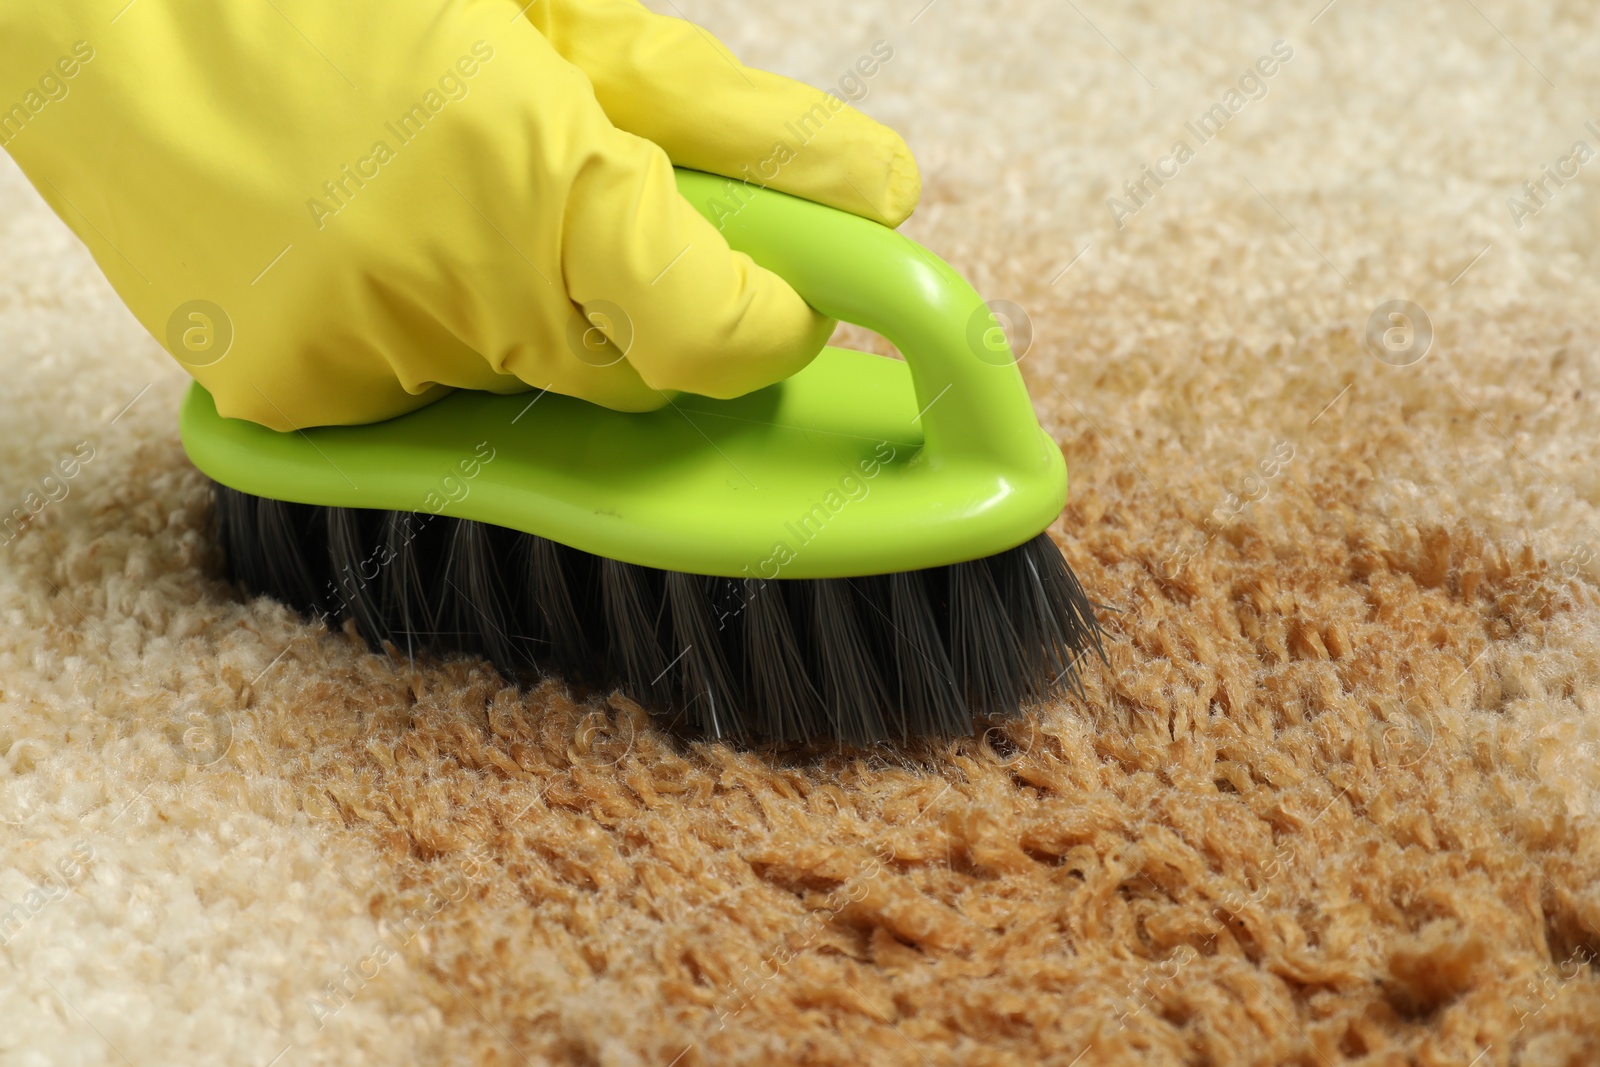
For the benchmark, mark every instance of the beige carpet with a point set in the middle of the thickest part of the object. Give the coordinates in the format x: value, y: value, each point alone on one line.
x: 1334, y: 800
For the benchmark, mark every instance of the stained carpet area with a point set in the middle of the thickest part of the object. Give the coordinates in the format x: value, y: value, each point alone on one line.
x: 1332, y: 801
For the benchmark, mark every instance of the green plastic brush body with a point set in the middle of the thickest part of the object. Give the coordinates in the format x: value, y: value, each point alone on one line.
x: 858, y: 465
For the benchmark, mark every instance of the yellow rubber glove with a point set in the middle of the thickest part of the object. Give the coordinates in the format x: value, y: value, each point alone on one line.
x: 332, y: 213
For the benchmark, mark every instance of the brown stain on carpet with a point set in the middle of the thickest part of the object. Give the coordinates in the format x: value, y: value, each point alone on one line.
x: 1287, y: 826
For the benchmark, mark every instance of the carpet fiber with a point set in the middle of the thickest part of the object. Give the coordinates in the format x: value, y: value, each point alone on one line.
x: 1333, y: 800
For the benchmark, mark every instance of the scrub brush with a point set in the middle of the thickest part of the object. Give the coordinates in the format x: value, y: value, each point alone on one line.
x: 854, y: 554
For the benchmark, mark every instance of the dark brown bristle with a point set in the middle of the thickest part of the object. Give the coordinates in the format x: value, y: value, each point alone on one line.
x: 705, y: 682
x: 783, y: 703
x: 634, y: 603
x: 912, y: 654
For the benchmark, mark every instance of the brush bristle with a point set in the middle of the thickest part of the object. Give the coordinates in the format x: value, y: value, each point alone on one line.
x: 859, y: 660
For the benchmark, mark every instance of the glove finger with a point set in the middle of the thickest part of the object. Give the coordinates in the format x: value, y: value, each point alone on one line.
x: 671, y: 82
x: 597, y: 210
x: 661, y: 283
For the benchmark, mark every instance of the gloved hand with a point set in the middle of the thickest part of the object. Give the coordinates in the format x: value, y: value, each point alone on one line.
x: 334, y: 212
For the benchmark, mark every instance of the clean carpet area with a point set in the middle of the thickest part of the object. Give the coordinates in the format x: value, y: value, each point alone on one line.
x: 1333, y: 800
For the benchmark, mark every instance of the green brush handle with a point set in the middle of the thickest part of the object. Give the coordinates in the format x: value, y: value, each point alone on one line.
x: 973, y: 401
x: 857, y: 465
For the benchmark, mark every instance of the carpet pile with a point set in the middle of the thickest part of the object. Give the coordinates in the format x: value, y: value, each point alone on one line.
x: 1333, y: 800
